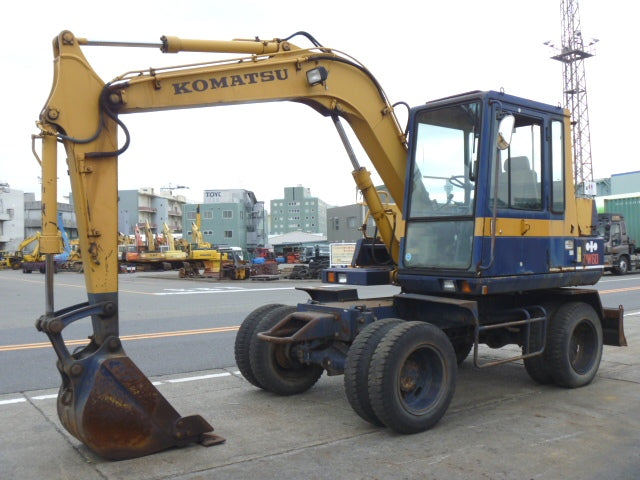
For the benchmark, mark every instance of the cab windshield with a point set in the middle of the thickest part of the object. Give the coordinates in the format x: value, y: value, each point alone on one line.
x: 443, y: 167
x: 439, y: 230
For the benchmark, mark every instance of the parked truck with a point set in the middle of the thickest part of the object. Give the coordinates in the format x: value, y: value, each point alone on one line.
x: 621, y: 253
x: 492, y: 237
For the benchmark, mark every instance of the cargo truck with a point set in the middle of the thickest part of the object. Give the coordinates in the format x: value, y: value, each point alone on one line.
x: 621, y: 254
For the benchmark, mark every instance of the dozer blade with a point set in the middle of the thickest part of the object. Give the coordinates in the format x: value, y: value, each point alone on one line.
x: 106, y: 402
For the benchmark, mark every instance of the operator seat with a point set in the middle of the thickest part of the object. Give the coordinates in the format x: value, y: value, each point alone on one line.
x: 525, y: 191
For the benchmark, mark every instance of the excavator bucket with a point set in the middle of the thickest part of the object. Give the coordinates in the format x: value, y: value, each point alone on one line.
x: 106, y: 402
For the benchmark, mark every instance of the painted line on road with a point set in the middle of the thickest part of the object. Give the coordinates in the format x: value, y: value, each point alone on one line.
x: 201, y: 290
x: 23, y: 399
x: 200, y: 377
x: 45, y: 397
x: 224, y: 289
x: 140, y: 336
x: 12, y: 400
x: 618, y: 290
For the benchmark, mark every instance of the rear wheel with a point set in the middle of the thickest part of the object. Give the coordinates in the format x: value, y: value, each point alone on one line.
x: 356, y: 372
x: 243, y: 340
x: 273, y: 366
x: 574, y: 345
x: 412, y: 377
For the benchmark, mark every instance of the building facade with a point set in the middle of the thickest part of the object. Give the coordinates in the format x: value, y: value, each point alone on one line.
x: 33, y: 216
x: 11, y: 218
x: 622, y: 183
x: 233, y: 218
x: 137, y: 207
x: 344, y: 223
x: 298, y: 211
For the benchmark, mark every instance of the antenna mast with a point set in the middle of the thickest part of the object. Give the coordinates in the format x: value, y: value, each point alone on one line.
x: 572, y: 54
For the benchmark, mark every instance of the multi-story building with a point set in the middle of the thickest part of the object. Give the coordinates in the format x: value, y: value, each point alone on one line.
x: 33, y: 216
x: 628, y: 182
x: 137, y: 207
x: 231, y: 217
x: 298, y: 211
x: 11, y: 217
x: 344, y: 223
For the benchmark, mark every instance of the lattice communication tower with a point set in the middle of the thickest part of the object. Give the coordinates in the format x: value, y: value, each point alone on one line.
x: 572, y: 54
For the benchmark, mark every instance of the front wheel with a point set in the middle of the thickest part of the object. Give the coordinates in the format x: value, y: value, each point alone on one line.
x: 412, y: 377
x: 273, y: 366
x: 462, y: 343
x: 537, y: 367
x: 574, y: 345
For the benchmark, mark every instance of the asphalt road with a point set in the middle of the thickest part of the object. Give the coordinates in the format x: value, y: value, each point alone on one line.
x: 168, y: 325
x: 500, y: 425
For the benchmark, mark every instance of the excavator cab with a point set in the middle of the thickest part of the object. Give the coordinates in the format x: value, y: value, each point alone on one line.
x: 476, y: 199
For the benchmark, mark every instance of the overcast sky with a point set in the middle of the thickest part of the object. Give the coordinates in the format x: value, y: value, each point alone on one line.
x: 418, y: 50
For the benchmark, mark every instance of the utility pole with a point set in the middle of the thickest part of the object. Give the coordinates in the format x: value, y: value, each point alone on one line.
x: 572, y: 54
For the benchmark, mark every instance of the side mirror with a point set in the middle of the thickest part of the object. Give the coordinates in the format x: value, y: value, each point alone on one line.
x: 505, y: 130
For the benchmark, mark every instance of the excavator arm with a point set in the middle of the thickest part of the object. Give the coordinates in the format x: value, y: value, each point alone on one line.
x: 28, y: 241
x: 86, y: 114
x: 169, y: 236
x: 151, y: 242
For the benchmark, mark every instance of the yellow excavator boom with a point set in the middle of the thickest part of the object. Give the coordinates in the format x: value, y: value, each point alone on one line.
x: 85, y: 114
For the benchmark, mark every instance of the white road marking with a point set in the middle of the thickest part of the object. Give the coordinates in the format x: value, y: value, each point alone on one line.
x: 12, y: 400
x: 201, y: 377
x: 196, y: 291
x: 23, y: 399
x: 45, y: 397
x: 234, y: 289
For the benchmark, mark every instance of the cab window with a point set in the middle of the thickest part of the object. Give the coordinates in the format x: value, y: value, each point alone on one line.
x: 519, y: 174
x: 557, y: 166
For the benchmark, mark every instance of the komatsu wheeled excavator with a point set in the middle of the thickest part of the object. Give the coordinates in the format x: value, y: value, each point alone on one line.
x: 490, y: 248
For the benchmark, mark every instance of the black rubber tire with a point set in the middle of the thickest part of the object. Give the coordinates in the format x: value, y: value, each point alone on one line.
x: 356, y: 372
x: 245, y: 333
x: 274, y: 369
x: 623, y: 266
x: 462, y: 346
x: 536, y: 366
x: 412, y: 377
x: 574, y: 348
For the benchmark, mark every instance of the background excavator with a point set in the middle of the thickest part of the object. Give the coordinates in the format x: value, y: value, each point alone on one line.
x: 490, y: 237
x: 171, y: 253
x: 17, y: 258
x: 205, y: 260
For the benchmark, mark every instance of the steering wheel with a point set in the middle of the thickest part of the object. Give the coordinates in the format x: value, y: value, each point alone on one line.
x: 458, y: 181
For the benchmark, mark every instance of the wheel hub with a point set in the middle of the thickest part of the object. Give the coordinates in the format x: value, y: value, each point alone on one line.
x: 409, y: 376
